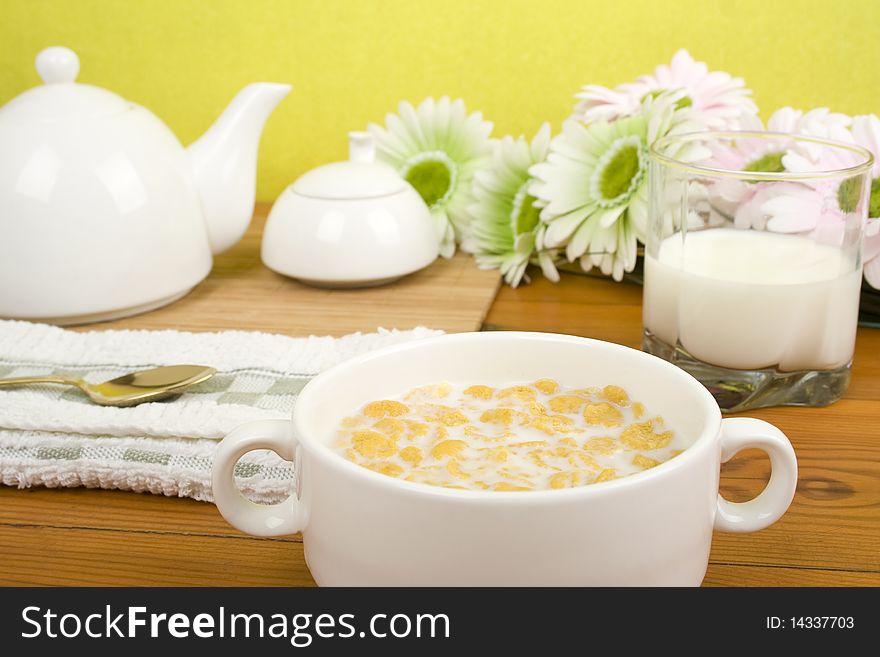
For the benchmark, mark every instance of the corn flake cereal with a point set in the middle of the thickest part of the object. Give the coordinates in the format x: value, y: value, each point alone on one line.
x: 569, y: 479
x: 567, y: 403
x: 645, y: 461
x: 385, y: 407
x: 504, y: 486
x: 522, y: 393
x: 498, y: 416
x: 412, y: 455
x: 391, y: 427
x: 643, y: 436
x: 605, y: 475
x: 509, y: 438
x: 385, y: 468
x: 604, y: 414
x: 547, y: 386
x: 480, y: 392
x: 373, y: 444
x: 416, y: 429
x: 448, y: 449
x: 615, y: 394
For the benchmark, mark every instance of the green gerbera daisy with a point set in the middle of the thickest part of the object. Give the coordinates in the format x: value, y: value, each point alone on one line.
x: 505, y: 229
x: 437, y: 148
x: 593, y: 184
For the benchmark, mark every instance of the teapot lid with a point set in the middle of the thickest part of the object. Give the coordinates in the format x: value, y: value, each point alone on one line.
x: 60, y: 97
x: 357, y: 178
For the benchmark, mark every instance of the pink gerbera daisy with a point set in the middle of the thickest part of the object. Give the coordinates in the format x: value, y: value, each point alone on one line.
x: 721, y: 100
x: 866, y: 132
x: 798, y: 207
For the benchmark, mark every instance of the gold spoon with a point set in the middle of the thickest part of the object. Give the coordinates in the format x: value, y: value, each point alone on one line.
x: 130, y: 389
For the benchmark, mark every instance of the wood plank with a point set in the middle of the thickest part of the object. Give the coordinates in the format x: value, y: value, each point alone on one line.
x: 578, y: 305
x: 94, y: 557
x: 241, y: 293
x: 730, y: 575
x: 99, y: 558
x: 75, y: 508
x: 834, y: 520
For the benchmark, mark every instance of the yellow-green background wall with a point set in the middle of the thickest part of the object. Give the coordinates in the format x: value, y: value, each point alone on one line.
x: 351, y: 61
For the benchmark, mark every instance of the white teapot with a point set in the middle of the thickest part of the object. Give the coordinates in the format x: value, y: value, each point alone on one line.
x: 103, y: 213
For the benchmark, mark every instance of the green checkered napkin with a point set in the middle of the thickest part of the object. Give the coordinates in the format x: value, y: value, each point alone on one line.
x: 54, y: 436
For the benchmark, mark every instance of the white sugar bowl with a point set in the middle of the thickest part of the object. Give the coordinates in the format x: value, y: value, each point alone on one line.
x: 350, y: 224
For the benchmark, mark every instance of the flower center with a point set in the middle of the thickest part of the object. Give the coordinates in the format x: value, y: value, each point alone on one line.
x: 619, y: 172
x: 434, y: 176
x: 767, y: 163
x: 524, y: 215
x: 851, y: 189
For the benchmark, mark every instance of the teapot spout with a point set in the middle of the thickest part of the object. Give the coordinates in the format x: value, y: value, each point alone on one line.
x: 224, y: 162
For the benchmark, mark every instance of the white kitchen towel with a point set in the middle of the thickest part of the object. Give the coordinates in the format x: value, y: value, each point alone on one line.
x: 54, y: 436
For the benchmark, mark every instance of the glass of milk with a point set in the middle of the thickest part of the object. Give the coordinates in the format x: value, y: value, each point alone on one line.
x: 753, y: 263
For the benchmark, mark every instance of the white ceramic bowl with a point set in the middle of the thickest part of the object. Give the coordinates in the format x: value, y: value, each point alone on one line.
x: 350, y: 224
x: 363, y: 528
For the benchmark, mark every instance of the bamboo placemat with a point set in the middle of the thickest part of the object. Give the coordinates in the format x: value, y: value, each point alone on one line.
x: 241, y: 293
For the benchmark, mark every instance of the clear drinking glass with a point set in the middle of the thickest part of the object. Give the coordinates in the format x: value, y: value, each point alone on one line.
x: 753, y: 263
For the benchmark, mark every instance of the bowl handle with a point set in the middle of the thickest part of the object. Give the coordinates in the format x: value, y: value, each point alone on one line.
x: 742, y: 433
x: 257, y: 519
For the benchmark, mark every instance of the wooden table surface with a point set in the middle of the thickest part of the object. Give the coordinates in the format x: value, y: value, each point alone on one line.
x: 830, y: 535
x: 241, y: 293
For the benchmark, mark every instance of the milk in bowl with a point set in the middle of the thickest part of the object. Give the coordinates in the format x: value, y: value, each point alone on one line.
x: 524, y: 436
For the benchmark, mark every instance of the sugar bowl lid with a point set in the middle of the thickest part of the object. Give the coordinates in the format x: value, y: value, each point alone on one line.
x: 360, y: 177
x: 60, y: 96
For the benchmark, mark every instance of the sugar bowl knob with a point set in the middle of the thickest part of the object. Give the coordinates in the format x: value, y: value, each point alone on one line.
x: 361, y: 147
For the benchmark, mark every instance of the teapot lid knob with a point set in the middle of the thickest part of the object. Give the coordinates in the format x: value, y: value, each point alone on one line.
x: 57, y: 65
x: 361, y: 147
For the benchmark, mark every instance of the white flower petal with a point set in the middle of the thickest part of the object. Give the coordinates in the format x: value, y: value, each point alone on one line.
x: 872, y: 273
x: 581, y: 240
x: 586, y: 262
x: 413, y: 127
x: 866, y: 133
x: 497, y: 189
x: 608, y: 216
x: 548, y: 267
x: 637, y: 213
x: 561, y: 228
x: 792, y: 214
x: 731, y: 189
